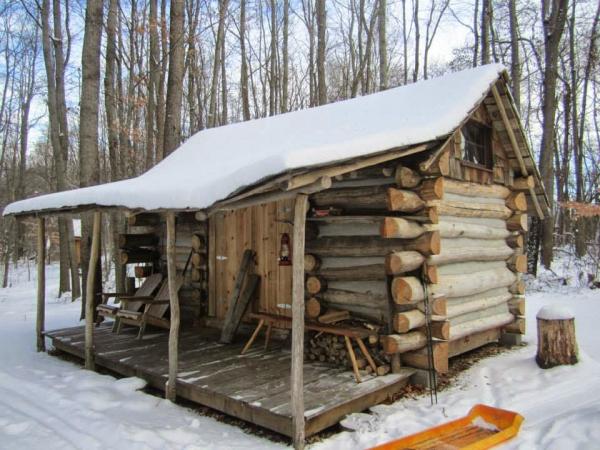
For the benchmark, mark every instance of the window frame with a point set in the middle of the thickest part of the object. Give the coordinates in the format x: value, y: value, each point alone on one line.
x: 485, y: 147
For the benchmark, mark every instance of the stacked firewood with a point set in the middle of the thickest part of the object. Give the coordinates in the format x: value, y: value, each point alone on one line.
x: 331, y: 349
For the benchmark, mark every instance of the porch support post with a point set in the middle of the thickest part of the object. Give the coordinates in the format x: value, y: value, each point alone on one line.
x: 171, y: 387
x: 41, y: 284
x: 297, y: 377
x: 90, y: 303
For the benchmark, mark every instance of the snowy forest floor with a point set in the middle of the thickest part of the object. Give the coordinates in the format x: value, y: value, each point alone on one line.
x: 50, y: 403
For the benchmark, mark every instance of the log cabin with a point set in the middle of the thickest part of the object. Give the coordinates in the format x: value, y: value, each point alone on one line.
x: 376, y: 237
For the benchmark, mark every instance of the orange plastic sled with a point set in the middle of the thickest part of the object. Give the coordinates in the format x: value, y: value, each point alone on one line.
x: 484, y: 427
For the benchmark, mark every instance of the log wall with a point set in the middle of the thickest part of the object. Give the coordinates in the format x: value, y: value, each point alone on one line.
x: 143, y: 250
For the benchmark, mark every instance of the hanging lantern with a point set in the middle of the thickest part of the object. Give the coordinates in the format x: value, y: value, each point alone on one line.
x: 284, y: 251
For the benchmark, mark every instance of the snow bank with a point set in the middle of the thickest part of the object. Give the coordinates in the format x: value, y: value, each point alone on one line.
x: 555, y: 312
x: 214, y: 163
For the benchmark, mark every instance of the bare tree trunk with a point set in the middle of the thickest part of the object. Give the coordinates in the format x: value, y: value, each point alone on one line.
x: 321, y: 46
x: 515, y: 58
x: 285, y: 57
x: 404, y: 43
x: 224, y: 113
x: 175, y: 83
x: 383, y: 58
x: 212, y: 120
x: 153, y: 56
x: 476, y: 34
x: 485, y: 32
x: 244, y: 63
x: 112, y: 124
x: 273, y: 61
x: 89, y: 165
x: 554, y: 18
x: 417, y: 39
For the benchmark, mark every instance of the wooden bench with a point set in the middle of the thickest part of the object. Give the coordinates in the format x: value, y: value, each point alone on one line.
x: 349, y: 333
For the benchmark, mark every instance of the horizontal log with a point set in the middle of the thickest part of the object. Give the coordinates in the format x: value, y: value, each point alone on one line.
x: 470, y: 209
x: 466, y: 249
x: 409, y: 320
x: 500, y: 308
x: 311, y: 263
x: 431, y: 273
x: 515, y: 241
x: 518, y: 287
x: 198, y: 259
x: 197, y: 275
x: 437, y: 305
x: 475, y: 189
x: 516, y: 306
x: 404, y: 201
x: 198, y: 242
x: 479, y: 325
x: 461, y: 268
x: 518, y: 326
x: 348, y: 299
x: 312, y: 308
x: 517, y: 222
x: 397, y: 263
x: 420, y: 359
x: 200, y: 216
x: 523, y: 184
x: 356, y: 273
x: 398, y: 227
x: 431, y: 189
x: 345, y: 229
x: 407, y: 290
x: 472, y: 283
x: 137, y: 240
x: 472, y: 341
x: 401, y: 343
x: 453, y: 228
x: 439, y: 330
x: 517, y: 201
x: 364, y: 198
x: 315, y: 284
x: 464, y: 305
x: 143, y: 220
x: 143, y: 271
x: 407, y: 178
x: 137, y: 256
x: 517, y: 263
x: 427, y: 244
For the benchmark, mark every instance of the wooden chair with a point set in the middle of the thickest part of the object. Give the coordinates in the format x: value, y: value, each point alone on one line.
x: 147, y: 288
x: 154, y: 310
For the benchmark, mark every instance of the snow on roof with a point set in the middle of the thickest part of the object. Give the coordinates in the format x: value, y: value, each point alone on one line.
x: 214, y: 163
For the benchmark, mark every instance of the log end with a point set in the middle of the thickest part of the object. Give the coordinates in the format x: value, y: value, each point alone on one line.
x: 315, y: 284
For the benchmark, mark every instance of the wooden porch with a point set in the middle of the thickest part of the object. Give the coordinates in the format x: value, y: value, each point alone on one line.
x: 254, y: 387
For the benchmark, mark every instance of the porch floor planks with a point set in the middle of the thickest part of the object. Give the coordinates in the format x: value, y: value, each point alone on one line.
x: 254, y: 387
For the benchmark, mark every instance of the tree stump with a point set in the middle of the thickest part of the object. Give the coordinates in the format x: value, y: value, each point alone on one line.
x: 557, y: 343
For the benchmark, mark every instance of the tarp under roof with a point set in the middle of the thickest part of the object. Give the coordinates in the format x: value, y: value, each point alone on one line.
x: 214, y: 163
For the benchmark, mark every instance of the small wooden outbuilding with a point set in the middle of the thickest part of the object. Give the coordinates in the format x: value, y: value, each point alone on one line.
x: 390, y: 225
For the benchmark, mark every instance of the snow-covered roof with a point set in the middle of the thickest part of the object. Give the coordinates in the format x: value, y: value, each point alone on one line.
x: 214, y: 163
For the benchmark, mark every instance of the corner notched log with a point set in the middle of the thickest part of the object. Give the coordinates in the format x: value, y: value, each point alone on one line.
x: 517, y: 222
x: 407, y: 290
x: 407, y: 178
x: 398, y: 227
x: 404, y: 201
x: 401, y: 262
x: 420, y: 358
x: 311, y: 263
x: 517, y: 201
x: 401, y: 343
x: 518, y: 263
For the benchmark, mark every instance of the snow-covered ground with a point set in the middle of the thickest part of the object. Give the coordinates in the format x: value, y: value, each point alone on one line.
x: 47, y: 403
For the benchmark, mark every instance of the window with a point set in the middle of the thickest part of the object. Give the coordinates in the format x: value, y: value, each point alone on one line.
x: 476, y: 145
